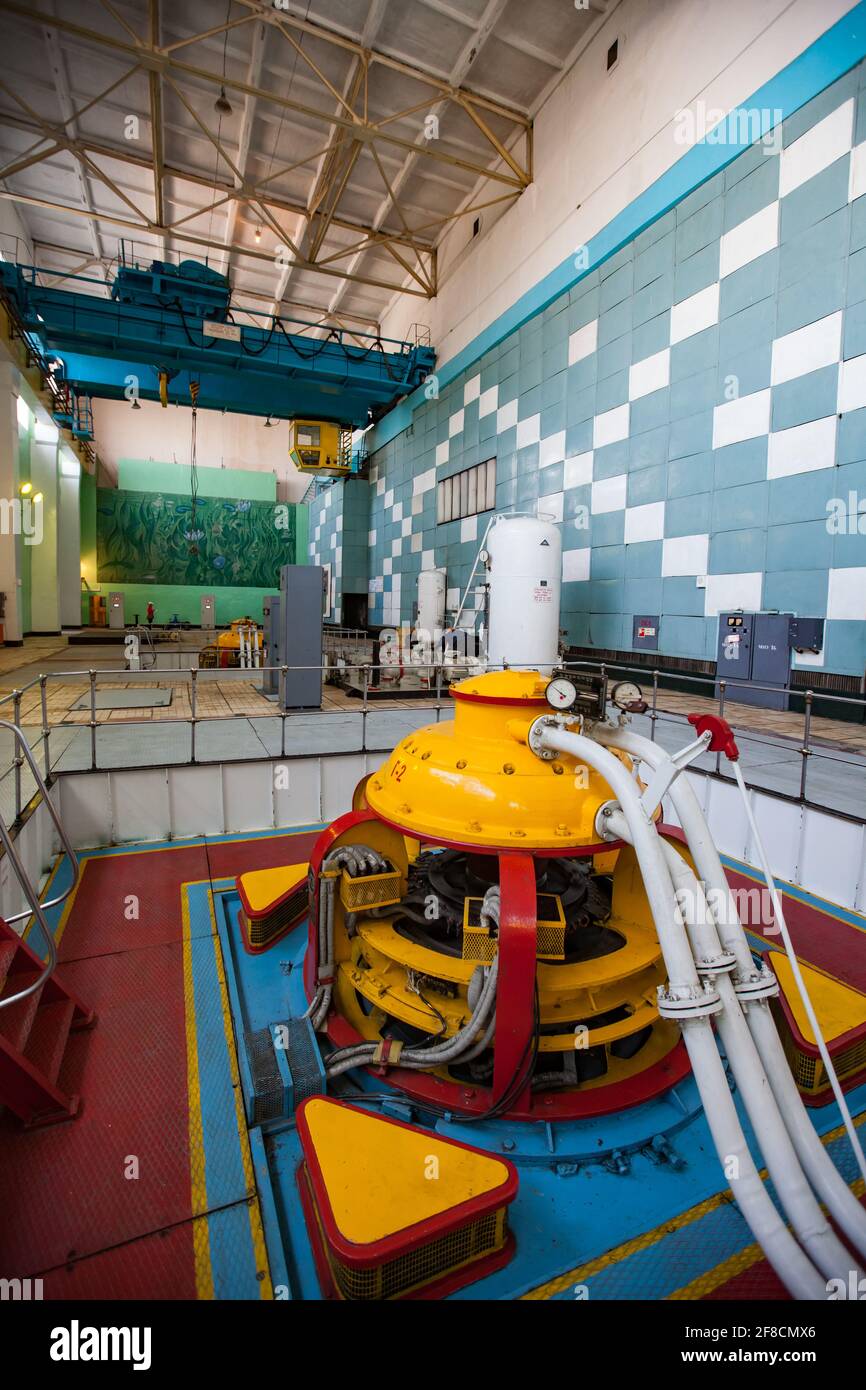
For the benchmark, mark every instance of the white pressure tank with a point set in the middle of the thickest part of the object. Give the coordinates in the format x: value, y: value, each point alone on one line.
x: 524, y: 574
x: 431, y: 603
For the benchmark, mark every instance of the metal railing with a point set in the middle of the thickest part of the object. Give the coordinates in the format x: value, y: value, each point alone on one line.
x: 375, y: 678
x: 36, y: 908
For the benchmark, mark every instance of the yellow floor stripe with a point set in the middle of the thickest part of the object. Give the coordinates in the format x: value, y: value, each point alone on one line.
x: 198, y: 1186
x: 748, y: 1256
x: 256, y: 1229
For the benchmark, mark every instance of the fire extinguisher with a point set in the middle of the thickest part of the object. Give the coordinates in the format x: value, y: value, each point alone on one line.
x: 150, y: 615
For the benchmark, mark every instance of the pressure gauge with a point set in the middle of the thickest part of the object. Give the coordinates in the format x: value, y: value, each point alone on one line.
x: 561, y: 693
x: 627, y: 695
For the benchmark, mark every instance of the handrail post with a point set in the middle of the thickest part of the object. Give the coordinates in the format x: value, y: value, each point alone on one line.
x: 364, y: 713
x: 438, y: 693
x: 193, y: 691
x: 722, y: 688
x: 16, y: 706
x: 654, y: 708
x: 806, y: 751
x: 284, y: 671
x: 46, y: 727
x: 92, y: 720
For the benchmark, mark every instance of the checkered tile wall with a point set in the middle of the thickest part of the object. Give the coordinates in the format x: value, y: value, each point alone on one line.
x: 687, y: 413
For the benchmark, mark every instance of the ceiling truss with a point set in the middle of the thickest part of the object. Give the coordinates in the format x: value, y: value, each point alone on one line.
x: 298, y: 229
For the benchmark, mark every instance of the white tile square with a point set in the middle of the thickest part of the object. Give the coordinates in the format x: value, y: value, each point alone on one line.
x: 749, y: 240
x: 469, y: 528
x: 730, y: 591
x: 387, y: 565
x: 807, y: 349
x: 417, y: 505
x: 694, y: 314
x: 857, y: 173
x: 406, y: 526
x: 803, y: 449
x: 380, y: 487
x: 846, y: 594
x: 506, y: 417
x: 651, y: 374
x: 577, y: 471
x: 575, y: 565
x: 442, y: 451
x: 417, y: 543
x: 551, y: 507
x: 389, y: 498
x: 685, y: 555
x: 397, y: 546
x: 644, y: 523
x: 472, y: 390
x: 552, y: 449
x: 397, y: 511
x: 851, y: 394
x: 583, y: 342
x: 610, y: 427
x: 423, y: 482
x: 820, y: 147
x: 747, y: 417
x: 528, y: 431
x: 428, y: 559
x: 608, y: 494
x: 455, y: 424
x: 488, y: 401
x: 371, y: 538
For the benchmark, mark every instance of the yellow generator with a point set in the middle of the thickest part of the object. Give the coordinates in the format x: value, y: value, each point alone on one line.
x: 315, y: 446
x: 239, y: 645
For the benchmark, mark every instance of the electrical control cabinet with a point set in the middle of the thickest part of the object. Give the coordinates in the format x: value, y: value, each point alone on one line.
x: 300, y: 634
x: 755, y: 648
x: 273, y: 643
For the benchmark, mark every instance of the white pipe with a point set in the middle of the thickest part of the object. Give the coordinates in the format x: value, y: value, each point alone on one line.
x: 799, y: 981
x: 820, y: 1169
x: 804, y: 1213
x: 781, y: 1249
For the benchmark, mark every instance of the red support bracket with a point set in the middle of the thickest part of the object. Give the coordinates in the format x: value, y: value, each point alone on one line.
x: 722, y: 740
x: 515, y: 992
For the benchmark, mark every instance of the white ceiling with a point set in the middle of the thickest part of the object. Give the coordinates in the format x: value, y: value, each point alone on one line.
x: 323, y: 153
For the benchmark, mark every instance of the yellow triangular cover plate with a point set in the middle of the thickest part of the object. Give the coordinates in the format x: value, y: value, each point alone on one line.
x: 381, y: 1177
x: 839, y: 1007
x: 262, y: 889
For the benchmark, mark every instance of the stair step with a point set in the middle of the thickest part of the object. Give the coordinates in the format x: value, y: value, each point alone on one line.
x: 16, y: 1020
x: 48, y: 1037
x: 8, y: 952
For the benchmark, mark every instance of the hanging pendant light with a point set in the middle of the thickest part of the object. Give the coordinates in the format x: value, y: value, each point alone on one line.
x: 222, y: 103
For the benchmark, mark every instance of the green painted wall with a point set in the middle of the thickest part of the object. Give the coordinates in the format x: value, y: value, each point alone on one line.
x: 87, y: 503
x: 145, y: 475
x: 185, y: 601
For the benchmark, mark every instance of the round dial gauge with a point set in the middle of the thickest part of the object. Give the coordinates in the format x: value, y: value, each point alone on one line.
x: 561, y: 693
x: 626, y: 693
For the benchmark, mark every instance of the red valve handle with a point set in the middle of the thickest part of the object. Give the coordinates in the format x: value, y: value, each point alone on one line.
x: 722, y: 740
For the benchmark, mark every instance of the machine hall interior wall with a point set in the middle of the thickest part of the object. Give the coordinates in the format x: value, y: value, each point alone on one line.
x: 688, y: 412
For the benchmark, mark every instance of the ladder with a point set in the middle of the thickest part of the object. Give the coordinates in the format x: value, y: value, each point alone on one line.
x: 37, y: 1011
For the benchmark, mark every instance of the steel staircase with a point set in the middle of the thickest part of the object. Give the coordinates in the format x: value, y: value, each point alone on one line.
x: 37, y: 1012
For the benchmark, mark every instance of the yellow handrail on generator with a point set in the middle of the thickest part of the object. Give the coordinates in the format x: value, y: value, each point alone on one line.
x: 318, y: 447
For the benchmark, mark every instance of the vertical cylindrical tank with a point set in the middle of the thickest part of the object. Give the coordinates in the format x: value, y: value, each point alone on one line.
x: 431, y: 602
x: 524, y: 573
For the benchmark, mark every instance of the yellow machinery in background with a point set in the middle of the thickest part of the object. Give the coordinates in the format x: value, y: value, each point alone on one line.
x: 315, y: 446
x: 239, y: 645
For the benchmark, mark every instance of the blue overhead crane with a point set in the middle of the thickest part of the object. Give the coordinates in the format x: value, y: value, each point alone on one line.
x: 167, y: 326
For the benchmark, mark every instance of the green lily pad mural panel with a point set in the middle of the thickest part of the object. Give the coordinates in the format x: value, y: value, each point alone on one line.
x: 159, y: 538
